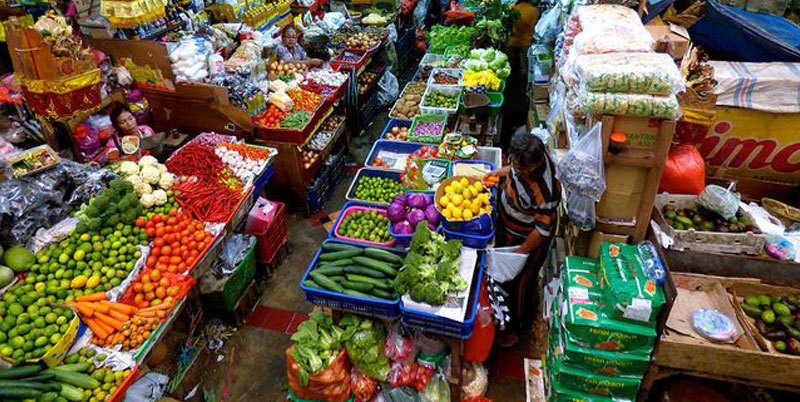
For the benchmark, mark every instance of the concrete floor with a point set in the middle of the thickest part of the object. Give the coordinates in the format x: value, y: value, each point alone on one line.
x: 254, y: 364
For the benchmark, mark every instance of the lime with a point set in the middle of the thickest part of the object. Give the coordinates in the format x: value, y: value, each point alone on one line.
x: 28, y: 346
x: 40, y: 341
x: 55, y: 338
x: 17, y: 342
x: 63, y: 258
x: 15, y: 309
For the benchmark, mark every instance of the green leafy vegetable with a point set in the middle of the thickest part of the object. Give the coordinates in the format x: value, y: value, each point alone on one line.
x: 364, y: 340
x: 317, y: 342
x: 440, y: 37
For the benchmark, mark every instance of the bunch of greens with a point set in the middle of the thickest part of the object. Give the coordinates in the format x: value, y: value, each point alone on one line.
x: 430, y: 270
x: 494, y: 24
x: 488, y: 59
x: 116, y: 204
x: 317, y: 342
x: 440, y: 37
x: 364, y: 340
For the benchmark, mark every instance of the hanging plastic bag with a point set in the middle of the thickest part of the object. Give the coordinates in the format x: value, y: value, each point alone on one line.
x: 581, y: 211
x: 720, y: 200
x: 422, y: 375
x: 399, y: 394
x: 402, y: 373
x: 398, y: 347
x: 582, y: 174
x: 504, y: 263
x: 684, y: 171
x: 478, y: 347
x: 362, y: 386
x: 779, y: 248
x: 388, y: 89
x: 420, y: 11
x: 548, y: 27
x: 474, y: 379
x: 438, y: 390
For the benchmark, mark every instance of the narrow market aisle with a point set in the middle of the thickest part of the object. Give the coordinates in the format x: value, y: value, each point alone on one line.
x: 254, y: 363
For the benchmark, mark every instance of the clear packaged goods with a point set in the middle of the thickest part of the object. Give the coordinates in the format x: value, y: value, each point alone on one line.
x: 611, y: 39
x: 640, y: 73
x: 637, y: 105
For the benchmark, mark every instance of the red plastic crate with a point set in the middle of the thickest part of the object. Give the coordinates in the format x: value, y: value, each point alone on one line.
x: 338, y: 63
x: 271, y: 238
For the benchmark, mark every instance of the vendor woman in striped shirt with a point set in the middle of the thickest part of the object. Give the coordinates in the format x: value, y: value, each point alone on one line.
x: 528, y: 213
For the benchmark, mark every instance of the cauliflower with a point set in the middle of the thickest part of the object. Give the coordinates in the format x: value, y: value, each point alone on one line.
x: 142, y: 188
x: 150, y: 174
x: 148, y: 160
x: 160, y: 197
x: 148, y: 200
x: 166, y: 180
x: 162, y: 168
x: 129, y: 168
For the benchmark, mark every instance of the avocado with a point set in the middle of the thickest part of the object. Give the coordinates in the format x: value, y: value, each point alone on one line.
x: 765, y: 300
x: 781, y: 309
x: 768, y: 316
x: 786, y: 320
x: 752, y: 300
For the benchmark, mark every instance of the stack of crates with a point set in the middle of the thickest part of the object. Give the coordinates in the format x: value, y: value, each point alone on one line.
x: 328, y: 177
x: 604, y: 327
x: 271, y: 230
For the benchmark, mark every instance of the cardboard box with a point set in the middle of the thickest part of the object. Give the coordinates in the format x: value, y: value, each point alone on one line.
x: 539, y: 94
x: 624, y: 188
x: 675, y: 35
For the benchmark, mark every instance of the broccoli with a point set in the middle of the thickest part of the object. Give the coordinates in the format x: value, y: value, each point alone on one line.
x: 94, y: 224
x: 97, y: 205
x: 121, y: 186
x: 433, y: 293
x: 81, y: 227
x: 113, y: 195
x: 112, y: 221
x: 129, y: 216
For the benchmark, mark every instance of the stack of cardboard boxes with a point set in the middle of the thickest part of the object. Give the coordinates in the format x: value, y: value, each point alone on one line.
x: 604, y: 327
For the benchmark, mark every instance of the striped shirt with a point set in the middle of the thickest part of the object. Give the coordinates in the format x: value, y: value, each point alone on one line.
x: 530, y: 202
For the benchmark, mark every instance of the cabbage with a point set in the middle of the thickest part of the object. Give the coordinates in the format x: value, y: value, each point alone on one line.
x: 504, y: 73
x: 416, y: 201
x: 432, y: 215
x: 498, y: 65
x: 428, y: 199
x: 482, y: 65
x: 402, y: 228
x: 396, y: 212
x: 501, y: 57
x: 415, y: 216
x: 476, y: 53
x: 401, y: 199
x: 488, y: 55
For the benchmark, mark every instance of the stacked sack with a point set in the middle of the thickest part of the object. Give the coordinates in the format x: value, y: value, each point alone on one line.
x: 611, y: 68
x: 603, y: 329
x: 190, y: 59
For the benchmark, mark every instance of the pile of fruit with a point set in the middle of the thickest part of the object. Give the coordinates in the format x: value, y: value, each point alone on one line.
x: 777, y: 319
x: 309, y: 157
x: 377, y: 189
x: 397, y: 133
x: 178, y: 242
x: 331, y: 123
x: 487, y: 79
x: 270, y: 117
x: 445, y: 78
x: 464, y: 200
x: 79, y: 381
x: 365, y: 225
x: 282, y: 68
x: 355, y: 271
x: 111, y: 380
x: 701, y: 219
x: 378, y: 162
x: 150, y: 179
x: 362, y: 40
x: 441, y: 100
x: 366, y: 81
x: 304, y: 100
x: 30, y: 326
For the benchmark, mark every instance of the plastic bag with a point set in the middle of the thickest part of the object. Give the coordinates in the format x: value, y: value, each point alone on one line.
x: 331, y: 384
x: 398, y: 394
x: 582, y: 169
x: 779, y: 248
x: 474, y: 379
x: 428, y: 346
x: 422, y: 375
x: 637, y: 105
x: 720, y: 200
x: 548, y: 27
x: 581, y: 211
x: 397, y: 346
x: 504, y: 263
x: 684, y: 171
x: 149, y: 387
x: 362, y: 386
x: 438, y: 390
x: 235, y: 251
x: 402, y: 373
x: 640, y: 73
x: 420, y: 12
x: 388, y: 89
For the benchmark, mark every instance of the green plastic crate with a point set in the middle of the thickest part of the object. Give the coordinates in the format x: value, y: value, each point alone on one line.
x: 237, y: 281
x: 427, y: 118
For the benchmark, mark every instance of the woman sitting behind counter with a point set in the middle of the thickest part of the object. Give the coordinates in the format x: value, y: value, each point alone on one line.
x: 290, y: 50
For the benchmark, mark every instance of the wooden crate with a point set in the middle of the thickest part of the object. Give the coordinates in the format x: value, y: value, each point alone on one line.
x: 633, y: 174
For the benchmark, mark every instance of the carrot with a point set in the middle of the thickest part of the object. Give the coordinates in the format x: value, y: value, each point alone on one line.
x: 162, y: 306
x: 98, y: 329
x: 83, y: 310
x: 121, y: 307
x: 119, y: 316
x: 101, y: 308
x: 97, y: 296
x: 114, y: 323
x: 141, y: 313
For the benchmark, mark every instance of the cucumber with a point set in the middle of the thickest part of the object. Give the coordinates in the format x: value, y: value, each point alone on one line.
x: 330, y: 246
x: 382, y: 294
x: 337, y: 278
x: 73, y: 378
x: 359, y: 270
x: 357, y: 293
x: 340, y: 254
x: 71, y: 393
x: 326, y: 282
x: 337, y: 263
x: 329, y: 270
x: 19, y: 393
x: 383, y: 255
x: 39, y: 378
x: 311, y: 284
x: 376, y: 265
x: 383, y: 284
x: 61, y: 399
x: 48, y: 397
x: 22, y: 371
x: 79, y: 367
x: 29, y: 385
x: 359, y: 286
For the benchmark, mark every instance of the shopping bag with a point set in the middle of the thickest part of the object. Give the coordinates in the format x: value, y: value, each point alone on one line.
x: 684, y: 171
x: 504, y: 263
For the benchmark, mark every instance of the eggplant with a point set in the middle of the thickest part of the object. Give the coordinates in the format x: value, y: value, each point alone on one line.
x: 776, y: 335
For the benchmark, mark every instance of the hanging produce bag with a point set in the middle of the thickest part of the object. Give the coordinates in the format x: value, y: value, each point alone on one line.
x: 331, y: 384
x: 684, y: 171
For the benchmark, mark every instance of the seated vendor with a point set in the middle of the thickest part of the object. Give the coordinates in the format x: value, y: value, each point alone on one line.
x: 290, y: 50
x: 126, y: 128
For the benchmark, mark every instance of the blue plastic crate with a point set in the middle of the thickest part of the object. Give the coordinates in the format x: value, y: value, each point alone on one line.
x: 405, y: 240
x: 470, y: 240
x: 263, y: 179
x: 443, y: 326
x: 355, y: 304
x: 402, y: 147
x: 395, y: 122
x: 371, y: 172
x: 347, y: 205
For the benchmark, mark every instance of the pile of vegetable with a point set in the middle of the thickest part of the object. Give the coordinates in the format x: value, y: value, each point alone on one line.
x: 282, y: 68
x: 270, y: 117
x: 488, y: 59
x: 326, y: 78
x: 701, y: 219
x: 397, y: 133
x: 475, y: 80
x: 296, y: 120
x: 114, y: 205
x: 117, y: 323
x: 463, y: 200
x: 430, y: 270
x: 303, y: 99
x: 777, y: 319
x: 178, y: 243
x: 364, y: 340
x: 355, y: 271
x: 111, y: 380
x: 243, y: 160
x: 440, y: 37
x: 445, y: 78
x: 439, y: 99
x: 150, y: 180
x: 428, y: 129
x: 67, y: 382
x: 30, y: 326
x: 317, y: 342
x: 377, y: 189
x: 362, y: 40
x: 408, y: 210
x: 370, y: 225
x: 407, y: 105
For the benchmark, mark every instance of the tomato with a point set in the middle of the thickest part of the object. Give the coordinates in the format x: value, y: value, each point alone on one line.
x: 171, y: 221
x: 140, y: 222
x: 156, y: 218
x: 194, y: 253
x: 185, y: 254
x: 161, y: 266
x: 166, y: 250
x: 158, y: 241
x: 174, y: 260
x: 155, y: 252
x: 164, y: 259
x: 199, y: 236
x: 169, y: 238
x: 173, y: 211
x: 192, y: 245
x: 151, y: 261
x: 172, y: 269
x: 159, y: 232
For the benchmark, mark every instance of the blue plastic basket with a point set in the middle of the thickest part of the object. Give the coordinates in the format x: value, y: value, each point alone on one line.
x: 354, y: 304
x: 405, y: 239
x: 347, y: 205
x: 395, y: 122
x: 470, y: 240
x: 443, y: 326
x: 263, y: 179
x: 371, y: 172
x: 389, y: 145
